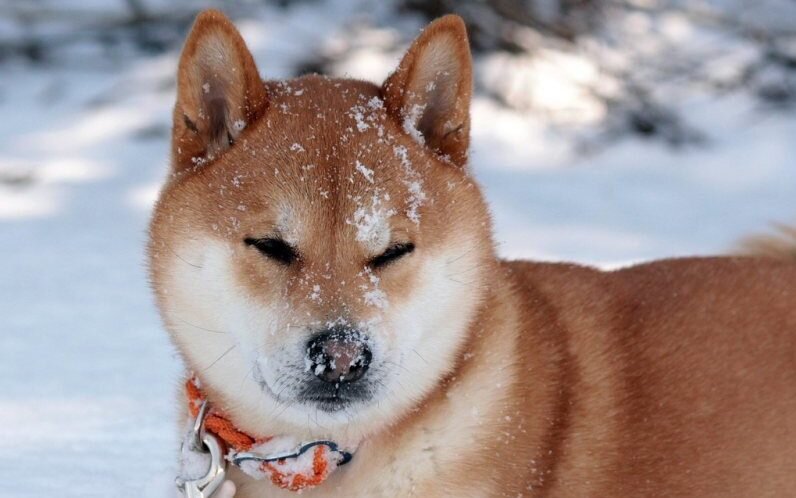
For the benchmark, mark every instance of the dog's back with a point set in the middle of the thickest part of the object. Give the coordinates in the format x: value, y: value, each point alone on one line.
x: 680, y: 376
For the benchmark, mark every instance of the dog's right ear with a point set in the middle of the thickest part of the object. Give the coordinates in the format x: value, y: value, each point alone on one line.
x: 219, y: 92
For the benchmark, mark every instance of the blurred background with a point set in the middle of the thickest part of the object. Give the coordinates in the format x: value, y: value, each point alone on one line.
x: 604, y: 131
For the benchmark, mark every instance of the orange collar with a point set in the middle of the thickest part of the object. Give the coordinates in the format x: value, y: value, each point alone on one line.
x: 294, y: 470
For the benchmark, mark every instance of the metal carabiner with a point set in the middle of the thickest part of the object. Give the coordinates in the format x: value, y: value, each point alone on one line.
x: 204, y: 442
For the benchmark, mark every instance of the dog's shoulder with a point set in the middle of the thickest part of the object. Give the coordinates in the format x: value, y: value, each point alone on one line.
x: 563, y: 286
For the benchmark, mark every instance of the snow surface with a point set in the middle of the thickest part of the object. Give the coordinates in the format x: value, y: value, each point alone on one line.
x: 87, y: 375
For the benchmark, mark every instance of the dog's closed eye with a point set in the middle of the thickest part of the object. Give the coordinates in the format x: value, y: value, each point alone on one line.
x: 273, y: 248
x: 392, y: 253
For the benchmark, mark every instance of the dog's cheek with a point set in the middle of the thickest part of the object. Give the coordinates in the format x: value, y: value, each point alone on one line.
x: 431, y: 321
x: 194, y: 281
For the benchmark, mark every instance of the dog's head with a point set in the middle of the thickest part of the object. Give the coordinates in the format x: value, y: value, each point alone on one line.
x: 320, y: 249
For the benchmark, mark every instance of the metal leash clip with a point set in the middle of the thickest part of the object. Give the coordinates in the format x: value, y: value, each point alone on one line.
x: 204, y: 442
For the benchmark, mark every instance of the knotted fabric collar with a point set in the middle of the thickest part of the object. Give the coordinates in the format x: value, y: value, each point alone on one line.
x: 287, y: 463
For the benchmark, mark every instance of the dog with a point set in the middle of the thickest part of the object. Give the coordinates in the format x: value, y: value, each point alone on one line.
x: 323, y: 261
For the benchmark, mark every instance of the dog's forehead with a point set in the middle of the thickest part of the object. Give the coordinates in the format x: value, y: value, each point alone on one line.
x: 318, y: 93
x: 327, y: 109
x: 326, y: 155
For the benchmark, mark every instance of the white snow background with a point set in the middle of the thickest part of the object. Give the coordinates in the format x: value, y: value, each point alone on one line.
x: 88, y: 378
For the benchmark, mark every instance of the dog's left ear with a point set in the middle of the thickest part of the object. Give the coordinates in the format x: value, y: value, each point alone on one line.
x: 219, y: 91
x: 429, y: 94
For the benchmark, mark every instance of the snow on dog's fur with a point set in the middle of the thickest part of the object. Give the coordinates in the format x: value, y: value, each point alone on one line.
x: 321, y: 204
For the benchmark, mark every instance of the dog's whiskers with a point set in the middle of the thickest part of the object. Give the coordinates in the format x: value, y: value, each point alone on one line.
x: 186, y: 322
x: 419, y: 356
x: 219, y: 358
x: 246, y: 376
x: 198, y: 267
x: 390, y: 362
x: 457, y: 258
x: 286, y: 406
x: 279, y: 403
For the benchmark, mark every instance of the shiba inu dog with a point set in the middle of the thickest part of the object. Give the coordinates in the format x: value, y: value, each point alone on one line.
x: 324, y: 262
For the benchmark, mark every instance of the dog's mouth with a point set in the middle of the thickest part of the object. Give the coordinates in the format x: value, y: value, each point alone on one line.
x: 329, y: 404
x: 327, y: 397
x: 334, y: 397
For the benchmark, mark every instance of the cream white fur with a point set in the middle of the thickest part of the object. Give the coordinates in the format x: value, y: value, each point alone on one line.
x: 414, y: 342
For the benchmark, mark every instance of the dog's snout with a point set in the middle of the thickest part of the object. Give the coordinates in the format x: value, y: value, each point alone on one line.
x: 337, y: 356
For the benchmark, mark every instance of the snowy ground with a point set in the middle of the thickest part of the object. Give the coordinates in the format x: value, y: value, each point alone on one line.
x: 87, y: 376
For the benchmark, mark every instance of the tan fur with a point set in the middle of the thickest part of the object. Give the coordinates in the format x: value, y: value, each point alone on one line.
x: 218, y: 92
x: 434, y: 80
x: 674, y: 378
x: 780, y: 245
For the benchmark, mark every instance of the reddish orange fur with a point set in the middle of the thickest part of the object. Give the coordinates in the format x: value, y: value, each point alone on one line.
x: 674, y: 378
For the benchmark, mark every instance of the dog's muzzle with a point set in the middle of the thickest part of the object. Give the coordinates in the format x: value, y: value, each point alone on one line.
x: 339, y: 356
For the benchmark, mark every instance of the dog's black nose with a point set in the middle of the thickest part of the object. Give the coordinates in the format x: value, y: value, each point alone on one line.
x: 338, y: 355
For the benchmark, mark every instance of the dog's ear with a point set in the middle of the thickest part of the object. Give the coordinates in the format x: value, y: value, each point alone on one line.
x: 219, y: 91
x: 429, y: 94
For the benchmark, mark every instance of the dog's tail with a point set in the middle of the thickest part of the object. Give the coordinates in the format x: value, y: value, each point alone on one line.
x: 780, y: 245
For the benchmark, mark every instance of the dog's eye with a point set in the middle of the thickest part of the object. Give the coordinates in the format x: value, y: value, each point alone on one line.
x: 276, y: 249
x: 391, y: 254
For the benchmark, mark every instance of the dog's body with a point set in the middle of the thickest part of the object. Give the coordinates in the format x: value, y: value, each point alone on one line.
x: 666, y: 379
x: 321, y: 208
